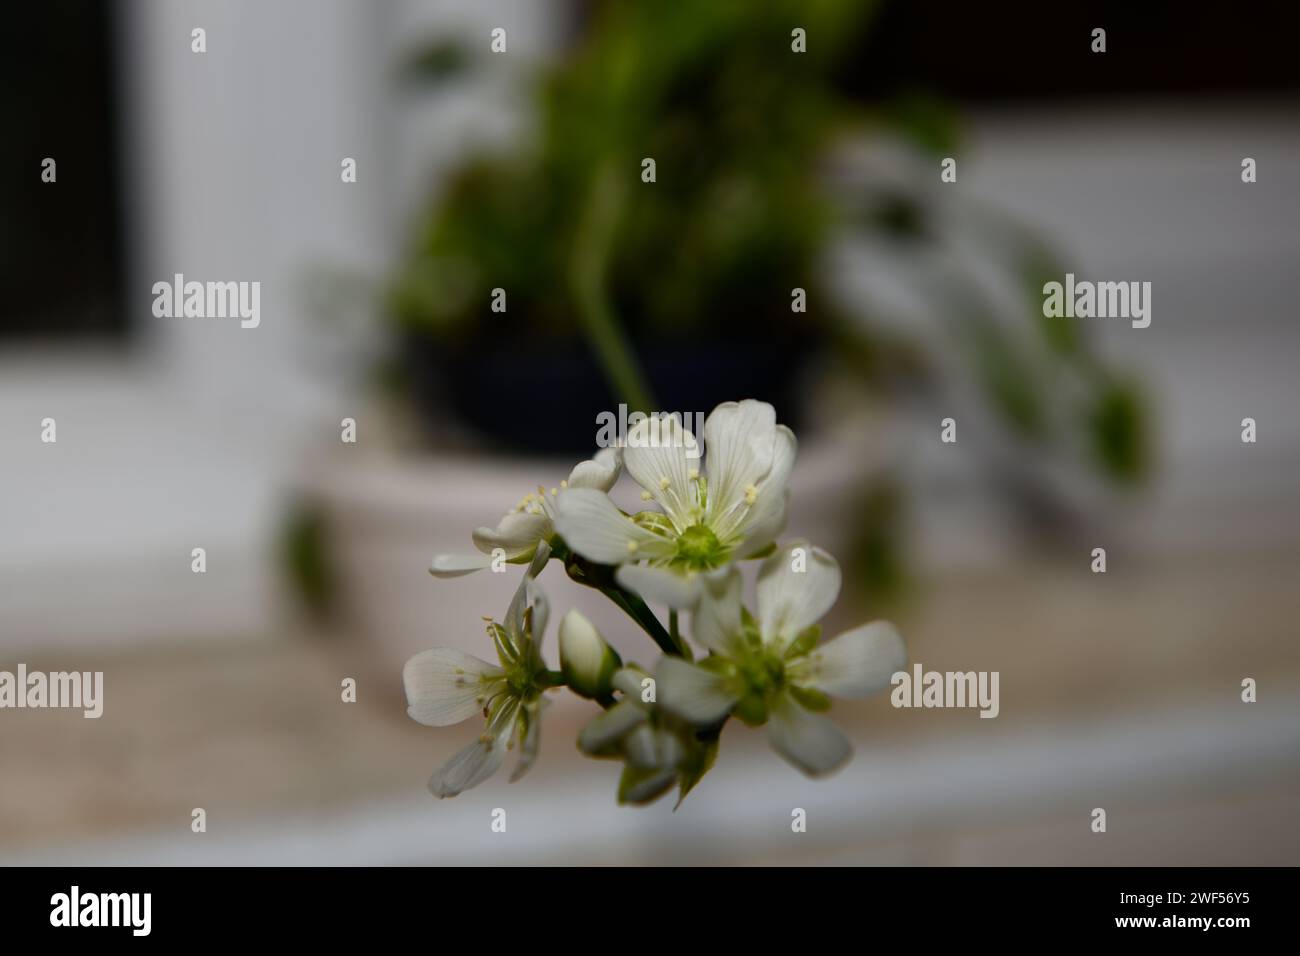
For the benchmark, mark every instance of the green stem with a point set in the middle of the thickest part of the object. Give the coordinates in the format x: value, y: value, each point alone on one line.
x: 640, y: 612
x: 589, y: 271
x: 601, y: 577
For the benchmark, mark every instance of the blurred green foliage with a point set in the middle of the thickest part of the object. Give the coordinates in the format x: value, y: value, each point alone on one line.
x: 742, y: 130
x: 305, y: 561
x: 736, y: 218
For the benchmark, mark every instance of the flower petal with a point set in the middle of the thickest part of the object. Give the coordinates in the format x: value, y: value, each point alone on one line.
x: 738, y: 440
x: 639, y: 747
x: 456, y: 565
x: 445, y: 686
x: 857, y: 663
x: 716, y: 624
x: 593, y: 526
x: 601, y: 471
x: 529, y: 594
x: 517, y: 534
x: 628, y: 680
x: 610, y: 726
x: 668, y: 750
x: 790, y: 600
x: 680, y: 591
x: 659, y: 458
x: 471, y: 766
x: 532, y: 740
x: 691, y: 692
x: 468, y: 768
x: 809, y: 741
x: 648, y: 786
x: 766, y: 518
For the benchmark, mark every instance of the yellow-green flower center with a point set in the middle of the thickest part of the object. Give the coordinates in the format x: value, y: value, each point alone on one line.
x: 698, y: 547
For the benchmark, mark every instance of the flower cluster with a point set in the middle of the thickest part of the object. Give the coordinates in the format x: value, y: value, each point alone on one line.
x: 767, y: 668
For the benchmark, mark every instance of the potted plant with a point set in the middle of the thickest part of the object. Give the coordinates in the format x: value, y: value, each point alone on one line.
x: 664, y: 239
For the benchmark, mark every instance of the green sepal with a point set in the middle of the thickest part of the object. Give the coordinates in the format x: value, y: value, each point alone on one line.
x: 752, y: 709
x: 811, y: 698
x: 596, y: 686
x: 699, y: 761
x: 804, y: 642
x: 717, y: 664
x: 632, y: 777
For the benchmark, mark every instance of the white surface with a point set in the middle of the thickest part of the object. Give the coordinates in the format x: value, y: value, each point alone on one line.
x: 933, y: 797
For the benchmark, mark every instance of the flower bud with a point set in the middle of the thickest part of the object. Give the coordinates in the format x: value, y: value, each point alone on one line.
x: 587, y: 661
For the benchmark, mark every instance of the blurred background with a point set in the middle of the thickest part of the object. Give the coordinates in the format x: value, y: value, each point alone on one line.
x: 775, y: 171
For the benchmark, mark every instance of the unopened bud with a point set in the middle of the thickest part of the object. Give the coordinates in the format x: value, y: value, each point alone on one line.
x: 587, y: 661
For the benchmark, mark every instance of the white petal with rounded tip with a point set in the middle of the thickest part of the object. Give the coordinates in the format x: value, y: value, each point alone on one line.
x: 600, y: 471
x: 471, y: 766
x: 668, y: 750
x: 766, y: 519
x: 790, y: 600
x: 738, y: 438
x: 611, y: 725
x: 445, y: 686
x: 691, y: 692
x: 628, y: 680
x: 456, y: 565
x: 593, y: 526
x: 716, y: 624
x: 657, y: 449
x: 639, y: 746
x: 661, y: 585
x: 809, y: 741
x: 517, y: 534
x: 857, y: 663
x: 468, y: 768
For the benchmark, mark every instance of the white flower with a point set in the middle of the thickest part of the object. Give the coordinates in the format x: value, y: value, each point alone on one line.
x: 734, y: 509
x: 445, y: 686
x: 772, y: 670
x: 531, y: 521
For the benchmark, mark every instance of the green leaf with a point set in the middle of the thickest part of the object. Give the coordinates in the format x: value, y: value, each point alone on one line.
x: 752, y: 710
x: 1061, y: 334
x: 1008, y: 379
x: 437, y: 63
x: 305, y: 555
x: 928, y: 121
x: 1118, y: 432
